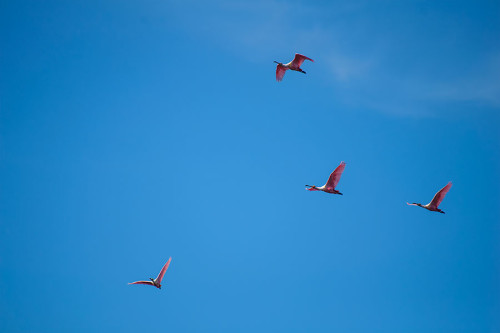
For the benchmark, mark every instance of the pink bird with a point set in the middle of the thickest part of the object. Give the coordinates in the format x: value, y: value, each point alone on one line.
x: 156, y: 282
x: 294, y: 65
x: 332, y: 182
x: 433, y: 205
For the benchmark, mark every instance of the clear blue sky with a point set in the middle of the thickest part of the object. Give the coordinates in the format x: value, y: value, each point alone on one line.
x: 131, y: 131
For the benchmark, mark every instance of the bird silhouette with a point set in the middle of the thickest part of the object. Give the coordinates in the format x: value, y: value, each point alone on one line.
x: 294, y: 65
x: 156, y: 282
x: 332, y: 182
x: 438, y: 197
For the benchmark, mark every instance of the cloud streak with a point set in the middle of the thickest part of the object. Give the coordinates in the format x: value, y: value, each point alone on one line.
x: 396, y: 60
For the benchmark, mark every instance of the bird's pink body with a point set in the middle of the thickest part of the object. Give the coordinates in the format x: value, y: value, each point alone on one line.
x: 332, y: 182
x: 156, y: 282
x: 438, y: 197
x: 294, y: 65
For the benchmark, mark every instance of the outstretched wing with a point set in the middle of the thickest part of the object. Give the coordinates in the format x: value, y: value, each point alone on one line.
x: 163, y: 270
x: 299, y: 59
x: 440, y: 196
x: 143, y: 282
x: 334, y: 178
x: 280, y: 72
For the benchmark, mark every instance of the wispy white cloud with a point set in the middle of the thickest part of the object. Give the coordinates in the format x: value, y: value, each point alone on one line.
x: 347, y: 68
x: 481, y: 86
x: 376, y: 60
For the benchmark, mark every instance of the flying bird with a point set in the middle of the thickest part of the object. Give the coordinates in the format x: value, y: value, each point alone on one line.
x: 294, y: 65
x: 156, y: 282
x: 433, y: 205
x: 332, y: 182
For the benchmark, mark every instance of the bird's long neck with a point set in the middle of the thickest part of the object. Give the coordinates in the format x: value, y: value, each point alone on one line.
x: 313, y: 188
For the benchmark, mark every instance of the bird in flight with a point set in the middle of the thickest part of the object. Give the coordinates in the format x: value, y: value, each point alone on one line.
x: 433, y: 205
x: 294, y: 65
x: 156, y: 282
x: 332, y: 182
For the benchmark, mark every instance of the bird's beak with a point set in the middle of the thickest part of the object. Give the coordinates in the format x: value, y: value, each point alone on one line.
x: 277, y: 62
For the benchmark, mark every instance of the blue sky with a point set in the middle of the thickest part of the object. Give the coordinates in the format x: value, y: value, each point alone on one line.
x: 134, y: 131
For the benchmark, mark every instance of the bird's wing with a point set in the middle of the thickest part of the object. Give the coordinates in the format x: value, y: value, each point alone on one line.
x: 334, y: 178
x: 143, y: 282
x: 440, y: 196
x: 280, y: 72
x: 299, y: 59
x: 163, y: 270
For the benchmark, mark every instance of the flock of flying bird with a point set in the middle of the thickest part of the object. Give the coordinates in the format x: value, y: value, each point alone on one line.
x: 333, y: 180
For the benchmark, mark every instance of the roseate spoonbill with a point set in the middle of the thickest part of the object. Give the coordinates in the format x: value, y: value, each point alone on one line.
x: 333, y: 180
x: 156, y: 282
x: 433, y: 205
x: 294, y: 65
